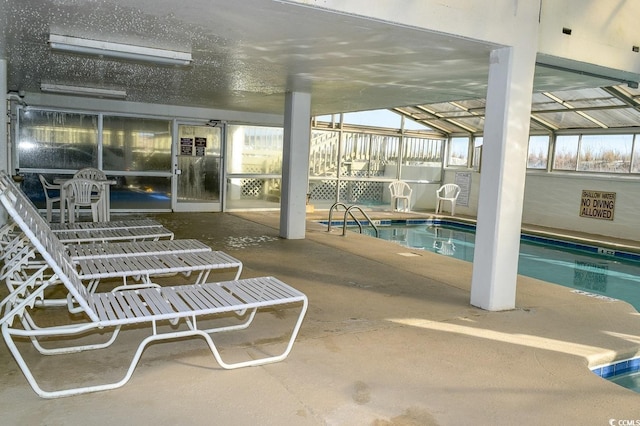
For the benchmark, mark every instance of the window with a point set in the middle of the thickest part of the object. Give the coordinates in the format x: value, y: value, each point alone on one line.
x: 363, y: 154
x: 57, y: 140
x: 323, y: 153
x: 422, y: 159
x: 477, y: 153
x: 538, y: 152
x: 458, y: 152
x: 255, y: 149
x: 605, y: 153
x: 566, y: 152
x: 255, y: 153
x: 419, y: 151
x: 136, y: 144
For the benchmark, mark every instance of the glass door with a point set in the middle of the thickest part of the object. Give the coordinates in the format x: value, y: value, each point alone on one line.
x: 197, y: 169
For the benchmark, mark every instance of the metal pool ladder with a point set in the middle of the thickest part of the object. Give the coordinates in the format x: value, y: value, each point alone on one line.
x: 348, y: 211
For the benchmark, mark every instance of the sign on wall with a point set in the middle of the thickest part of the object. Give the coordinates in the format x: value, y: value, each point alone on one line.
x: 597, y: 204
x: 463, y: 180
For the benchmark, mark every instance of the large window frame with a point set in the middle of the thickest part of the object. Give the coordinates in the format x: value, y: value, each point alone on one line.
x: 136, y: 189
x: 597, y: 153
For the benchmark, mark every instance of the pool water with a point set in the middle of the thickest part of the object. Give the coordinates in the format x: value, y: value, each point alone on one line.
x: 608, y: 274
x: 625, y: 373
x: 628, y: 380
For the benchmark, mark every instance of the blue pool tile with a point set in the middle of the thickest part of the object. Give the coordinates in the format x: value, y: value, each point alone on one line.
x: 608, y: 371
x: 621, y: 367
x: 634, y: 364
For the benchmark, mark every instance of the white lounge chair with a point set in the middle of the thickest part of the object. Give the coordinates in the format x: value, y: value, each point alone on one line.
x: 144, y: 304
x: 139, y: 266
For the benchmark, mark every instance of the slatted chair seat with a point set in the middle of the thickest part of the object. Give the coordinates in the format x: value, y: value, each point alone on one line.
x: 166, y: 303
x: 78, y: 236
x: 142, y: 267
x: 133, y: 223
x: 97, y: 250
x: 144, y: 304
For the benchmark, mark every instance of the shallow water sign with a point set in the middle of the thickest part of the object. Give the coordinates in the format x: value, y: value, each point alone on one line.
x: 597, y: 204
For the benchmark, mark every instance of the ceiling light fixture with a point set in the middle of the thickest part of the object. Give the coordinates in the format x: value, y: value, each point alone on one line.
x: 117, y: 50
x: 83, y: 91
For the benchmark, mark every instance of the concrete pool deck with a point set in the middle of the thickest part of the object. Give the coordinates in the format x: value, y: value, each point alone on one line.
x: 389, y: 339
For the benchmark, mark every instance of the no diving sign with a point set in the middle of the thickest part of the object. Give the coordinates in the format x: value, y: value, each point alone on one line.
x: 597, y: 204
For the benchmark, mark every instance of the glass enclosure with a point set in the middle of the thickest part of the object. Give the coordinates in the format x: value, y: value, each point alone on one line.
x: 254, y: 166
x: 136, y: 152
x: 566, y: 152
x: 605, y: 153
x: 538, y: 152
x: 458, y: 152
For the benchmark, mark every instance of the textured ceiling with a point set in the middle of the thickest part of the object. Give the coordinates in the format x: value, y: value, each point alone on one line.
x: 247, y: 54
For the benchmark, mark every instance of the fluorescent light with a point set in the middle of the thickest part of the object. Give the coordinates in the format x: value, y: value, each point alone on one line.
x: 116, y: 50
x: 83, y: 91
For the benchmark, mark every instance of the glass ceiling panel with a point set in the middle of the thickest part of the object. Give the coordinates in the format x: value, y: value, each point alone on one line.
x: 541, y: 102
x: 536, y: 127
x: 415, y: 112
x: 596, y: 98
x: 443, y: 107
x: 627, y: 117
x: 473, y: 104
x: 475, y: 123
x: 444, y: 126
x: 566, y: 120
x: 601, y: 104
x: 581, y: 94
x: 630, y: 92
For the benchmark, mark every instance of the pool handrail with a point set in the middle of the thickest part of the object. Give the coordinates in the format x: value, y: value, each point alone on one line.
x: 348, y: 212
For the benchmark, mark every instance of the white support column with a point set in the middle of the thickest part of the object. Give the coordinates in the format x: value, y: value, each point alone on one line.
x: 4, y: 137
x: 504, y: 159
x: 295, y: 165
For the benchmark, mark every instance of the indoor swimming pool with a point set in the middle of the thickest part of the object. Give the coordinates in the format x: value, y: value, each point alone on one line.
x: 591, y: 269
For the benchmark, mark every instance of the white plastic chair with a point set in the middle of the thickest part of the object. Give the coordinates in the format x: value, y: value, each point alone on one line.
x: 80, y: 192
x: 90, y: 173
x: 448, y: 192
x: 400, y: 191
x: 50, y: 199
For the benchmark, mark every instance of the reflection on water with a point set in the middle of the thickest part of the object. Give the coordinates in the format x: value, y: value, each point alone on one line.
x: 591, y: 273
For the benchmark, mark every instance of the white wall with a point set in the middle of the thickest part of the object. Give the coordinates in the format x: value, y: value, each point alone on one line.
x: 553, y: 200
x: 602, y: 32
x: 72, y: 103
x: 424, y: 195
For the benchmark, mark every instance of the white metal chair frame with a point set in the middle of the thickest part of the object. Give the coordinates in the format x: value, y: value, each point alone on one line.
x: 49, y: 199
x: 123, y: 230
x: 448, y: 192
x: 400, y: 191
x: 144, y: 304
x: 127, y: 262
